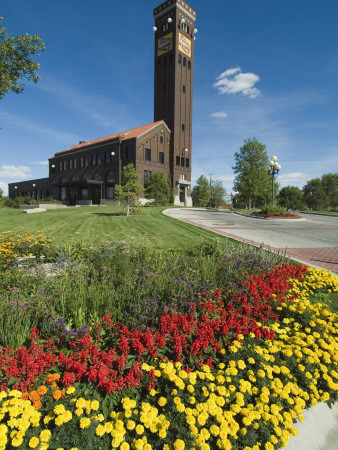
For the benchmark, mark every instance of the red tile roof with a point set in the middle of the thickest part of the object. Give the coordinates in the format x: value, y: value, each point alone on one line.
x: 124, y: 135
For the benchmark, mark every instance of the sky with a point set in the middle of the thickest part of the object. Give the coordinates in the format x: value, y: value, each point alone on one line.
x: 264, y: 69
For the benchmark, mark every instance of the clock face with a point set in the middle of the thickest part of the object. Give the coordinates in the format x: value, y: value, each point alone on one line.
x: 165, y: 44
x: 184, y: 45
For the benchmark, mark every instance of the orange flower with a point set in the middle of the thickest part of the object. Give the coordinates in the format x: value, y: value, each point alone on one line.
x: 25, y: 396
x: 33, y: 396
x: 57, y: 394
x: 52, y: 377
x: 37, y: 404
x: 41, y: 390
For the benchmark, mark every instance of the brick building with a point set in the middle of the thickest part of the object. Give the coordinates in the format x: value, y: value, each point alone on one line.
x: 88, y: 172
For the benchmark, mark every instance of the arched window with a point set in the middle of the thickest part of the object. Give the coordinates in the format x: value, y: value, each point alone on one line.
x: 97, y: 177
x: 179, y: 59
x: 111, y: 177
x: 189, y: 64
x: 184, y: 62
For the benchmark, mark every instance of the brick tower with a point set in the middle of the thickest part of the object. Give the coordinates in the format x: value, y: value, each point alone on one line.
x: 173, y: 88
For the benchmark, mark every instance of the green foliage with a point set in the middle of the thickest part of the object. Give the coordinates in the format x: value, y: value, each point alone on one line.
x: 314, y: 195
x: 217, y: 194
x: 157, y: 188
x: 274, y: 210
x: 15, y: 60
x: 201, y: 192
x: 330, y: 186
x: 252, y: 181
x: 291, y: 197
x: 128, y: 193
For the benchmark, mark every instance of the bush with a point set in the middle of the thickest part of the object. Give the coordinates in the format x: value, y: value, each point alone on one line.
x: 275, y: 210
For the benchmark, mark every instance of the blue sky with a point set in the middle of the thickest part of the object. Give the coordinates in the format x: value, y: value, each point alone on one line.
x: 266, y: 69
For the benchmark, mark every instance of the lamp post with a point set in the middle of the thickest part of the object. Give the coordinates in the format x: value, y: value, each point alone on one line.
x: 273, y: 169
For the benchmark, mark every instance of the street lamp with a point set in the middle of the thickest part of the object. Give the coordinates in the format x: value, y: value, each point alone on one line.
x: 273, y: 169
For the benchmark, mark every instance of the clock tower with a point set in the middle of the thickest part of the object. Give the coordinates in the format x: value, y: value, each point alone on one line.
x: 173, y: 88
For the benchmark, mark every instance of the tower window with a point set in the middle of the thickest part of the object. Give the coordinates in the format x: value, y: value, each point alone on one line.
x: 183, y: 89
x: 182, y: 161
x: 147, y: 174
x: 177, y: 160
x: 179, y: 58
x: 182, y: 126
x: 147, y: 154
x: 189, y: 64
x: 186, y: 162
x: 184, y: 62
x: 161, y: 139
x: 161, y: 157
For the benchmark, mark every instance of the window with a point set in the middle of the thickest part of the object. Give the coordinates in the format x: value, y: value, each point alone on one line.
x: 147, y: 174
x: 182, y: 161
x: 182, y: 126
x: 161, y: 139
x: 177, y: 160
x: 70, y: 163
x: 81, y: 161
x: 107, y: 157
x: 86, y: 161
x: 147, y: 154
x: 128, y: 154
x: 93, y: 160
x: 161, y: 157
x: 60, y: 166
x: 184, y: 62
x: 84, y: 194
x: 64, y: 165
x: 75, y: 163
x: 183, y: 89
x: 179, y: 59
x: 189, y: 64
x: 186, y: 162
x: 99, y: 160
x: 110, y: 191
x: 63, y: 193
x: 110, y: 177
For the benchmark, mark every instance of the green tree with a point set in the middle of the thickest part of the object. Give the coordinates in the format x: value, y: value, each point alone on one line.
x: 314, y: 195
x: 291, y: 197
x: 130, y: 189
x: 200, y: 193
x: 252, y: 181
x: 330, y: 186
x: 16, y: 62
x: 217, y: 194
x: 157, y: 187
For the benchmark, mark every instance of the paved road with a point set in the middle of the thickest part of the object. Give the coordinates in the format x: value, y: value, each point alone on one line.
x: 312, y: 240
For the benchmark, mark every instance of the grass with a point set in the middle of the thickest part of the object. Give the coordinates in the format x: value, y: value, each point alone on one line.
x: 92, y: 225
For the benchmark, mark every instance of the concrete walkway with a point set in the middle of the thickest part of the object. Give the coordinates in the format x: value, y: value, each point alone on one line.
x: 313, y: 241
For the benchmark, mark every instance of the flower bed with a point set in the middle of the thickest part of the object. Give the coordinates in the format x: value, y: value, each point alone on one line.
x: 233, y: 374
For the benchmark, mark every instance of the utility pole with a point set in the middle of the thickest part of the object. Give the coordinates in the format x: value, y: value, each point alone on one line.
x: 210, y: 175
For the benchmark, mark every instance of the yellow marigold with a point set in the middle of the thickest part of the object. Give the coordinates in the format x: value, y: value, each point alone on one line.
x: 179, y: 444
x: 84, y: 422
x: 33, y: 442
x: 94, y: 405
x: 139, y: 429
x: 162, y: 401
x: 45, y: 435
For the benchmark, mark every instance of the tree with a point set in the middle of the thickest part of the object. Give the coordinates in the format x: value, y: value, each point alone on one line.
x: 201, y: 192
x: 314, y: 195
x: 252, y: 181
x: 157, y: 187
x: 217, y: 194
x: 130, y: 188
x: 291, y: 197
x: 330, y: 186
x: 16, y: 62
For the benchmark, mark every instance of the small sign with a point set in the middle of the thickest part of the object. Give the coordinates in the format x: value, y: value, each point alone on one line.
x: 165, y: 44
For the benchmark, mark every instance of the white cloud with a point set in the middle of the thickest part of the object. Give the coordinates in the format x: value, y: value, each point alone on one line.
x: 234, y: 81
x: 219, y: 114
x: 15, y: 172
x: 292, y: 178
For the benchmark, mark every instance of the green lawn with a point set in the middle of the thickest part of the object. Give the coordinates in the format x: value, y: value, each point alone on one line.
x: 92, y: 225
